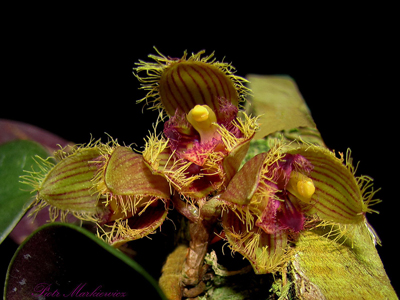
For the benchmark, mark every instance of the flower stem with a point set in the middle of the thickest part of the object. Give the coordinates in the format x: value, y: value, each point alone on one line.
x: 193, y: 268
x: 201, y: 233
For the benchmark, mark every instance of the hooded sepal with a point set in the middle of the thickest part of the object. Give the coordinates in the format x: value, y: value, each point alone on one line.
x: 339, y: 195
x: 67, y: 186
x: 182, y: 83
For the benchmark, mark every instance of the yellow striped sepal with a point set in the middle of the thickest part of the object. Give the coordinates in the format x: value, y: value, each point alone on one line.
x: 339, y: 196
x: 67, y: 186
x: 185, y: 82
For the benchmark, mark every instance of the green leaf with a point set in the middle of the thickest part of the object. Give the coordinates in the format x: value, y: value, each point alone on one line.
x: 278, y: 102
x: 70, y: 261
x: 15, y: 197
x: 332, y: 264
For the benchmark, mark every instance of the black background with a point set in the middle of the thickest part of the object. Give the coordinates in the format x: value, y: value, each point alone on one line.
x: 70, y: 72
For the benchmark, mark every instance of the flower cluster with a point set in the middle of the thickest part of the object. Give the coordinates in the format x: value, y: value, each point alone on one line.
x: 196, y: 162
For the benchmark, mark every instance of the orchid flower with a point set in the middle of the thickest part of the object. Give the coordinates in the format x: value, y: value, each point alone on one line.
x: 103, y: 183
x: 280, y: 193
x: 205, y: 139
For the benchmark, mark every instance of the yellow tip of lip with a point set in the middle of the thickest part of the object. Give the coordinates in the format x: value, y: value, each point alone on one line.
x: 301, y: 186
x: 199, y: 113
x: 306, y: 188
